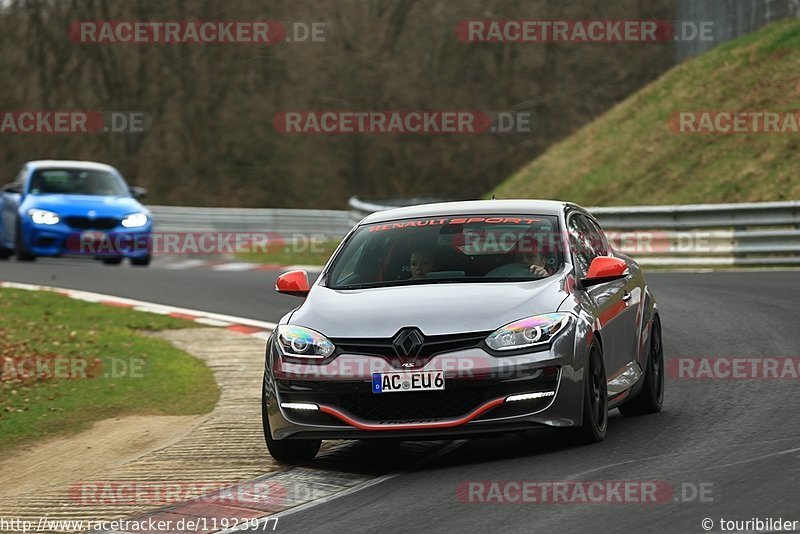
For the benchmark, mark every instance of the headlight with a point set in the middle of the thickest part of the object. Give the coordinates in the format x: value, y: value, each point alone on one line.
x: 530, y: 332
x: 43, y: 217
x: 300, y: 342
x: 134, y: 220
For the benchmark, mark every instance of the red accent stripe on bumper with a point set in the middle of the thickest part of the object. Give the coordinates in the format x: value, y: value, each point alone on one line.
x: 447, y: 423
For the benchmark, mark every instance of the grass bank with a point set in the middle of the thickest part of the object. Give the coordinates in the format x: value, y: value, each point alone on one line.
x: 65, y: 363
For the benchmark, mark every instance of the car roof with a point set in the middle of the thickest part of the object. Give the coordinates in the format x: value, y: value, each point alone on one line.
x: 472, y: 207
x: 70, y: 164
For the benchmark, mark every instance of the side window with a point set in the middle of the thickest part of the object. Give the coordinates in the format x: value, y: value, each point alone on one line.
x: 599, y: 243
x: 579, y: 242
x: 587, y: 241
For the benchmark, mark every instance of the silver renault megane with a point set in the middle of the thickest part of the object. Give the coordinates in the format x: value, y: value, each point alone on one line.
x: 462, y: 319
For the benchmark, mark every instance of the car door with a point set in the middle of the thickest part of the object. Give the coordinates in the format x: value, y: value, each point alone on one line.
x: 633, y: 295
x: 609, y: 303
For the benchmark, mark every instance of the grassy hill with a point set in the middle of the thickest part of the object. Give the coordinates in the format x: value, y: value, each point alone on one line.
x: 630, y: 156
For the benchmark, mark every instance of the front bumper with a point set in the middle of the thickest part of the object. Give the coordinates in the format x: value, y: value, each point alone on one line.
x: 61, y: 239
x: 474, y: 401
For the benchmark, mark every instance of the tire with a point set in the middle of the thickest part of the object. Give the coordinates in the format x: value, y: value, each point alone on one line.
x: 22, y: 253
x: 595, y: 401
x: 287, y: 451
x: 6, y: 253
x: 144, y: 261
x: 651, y: 397
x: 112, y: 261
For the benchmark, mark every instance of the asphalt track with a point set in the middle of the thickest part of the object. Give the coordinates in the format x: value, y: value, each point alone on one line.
x: 739, y: 440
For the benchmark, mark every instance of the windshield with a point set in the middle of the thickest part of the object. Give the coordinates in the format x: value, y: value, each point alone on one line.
x: 77, y: 182
x: 480, y: 248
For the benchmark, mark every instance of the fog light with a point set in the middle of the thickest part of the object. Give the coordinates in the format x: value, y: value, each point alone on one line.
x: 299, y: 406
x: 529, y: 396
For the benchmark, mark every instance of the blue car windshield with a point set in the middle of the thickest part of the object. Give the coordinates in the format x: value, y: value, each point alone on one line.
x: 471, y: 248
x: 77, y: 182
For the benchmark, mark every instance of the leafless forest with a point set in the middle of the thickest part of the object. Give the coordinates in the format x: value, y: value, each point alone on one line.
x: 210, y: 139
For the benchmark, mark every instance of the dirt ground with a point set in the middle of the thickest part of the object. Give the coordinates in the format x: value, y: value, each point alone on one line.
x: 105, y: 446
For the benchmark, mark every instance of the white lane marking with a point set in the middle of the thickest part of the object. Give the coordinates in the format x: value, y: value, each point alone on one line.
x: 151, y: 309
x: 260, y: 335
x: 186, y: 264
x: 98, y: 297
x: 213, y: 322
x: 637, y: 460
x: 604, y: 467
x: 349, y: 491
x: 756, y: 459
x: 369, y: 483
x: 235, y: 266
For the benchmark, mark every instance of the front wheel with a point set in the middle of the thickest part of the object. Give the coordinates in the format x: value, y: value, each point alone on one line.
x: 595, y: 401
x: 287, y: 451
x: 144, y: 261
x: 22, y: 253
x: 112, y: 261
x: 651, y: 398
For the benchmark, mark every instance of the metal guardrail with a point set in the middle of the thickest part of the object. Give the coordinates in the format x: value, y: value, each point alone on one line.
x: 746, y: 234
x: 691, y: 216
x: 764, y: 233
x: 361, y: 208
x: 286, y: 222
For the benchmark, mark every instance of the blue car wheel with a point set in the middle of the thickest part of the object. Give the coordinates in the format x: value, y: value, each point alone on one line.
x: 23, y: 254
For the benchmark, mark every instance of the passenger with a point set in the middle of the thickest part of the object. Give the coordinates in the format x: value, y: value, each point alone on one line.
x: 422, y: 262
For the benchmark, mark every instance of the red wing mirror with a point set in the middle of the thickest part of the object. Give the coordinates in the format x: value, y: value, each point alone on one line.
x: 293, y: 283
x: 605, y: 269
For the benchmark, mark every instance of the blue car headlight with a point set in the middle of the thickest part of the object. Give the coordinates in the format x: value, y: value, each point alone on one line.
x: 529, y: 332
x: 134, y: 220
x: 44, y: 217
x: 301, y: 342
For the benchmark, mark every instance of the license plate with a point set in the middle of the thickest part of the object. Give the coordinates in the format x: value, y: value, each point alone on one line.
x: 407, y: 381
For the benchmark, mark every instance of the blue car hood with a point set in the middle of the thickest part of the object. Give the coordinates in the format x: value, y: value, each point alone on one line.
x: 433, y: 308
x: 104, y: 206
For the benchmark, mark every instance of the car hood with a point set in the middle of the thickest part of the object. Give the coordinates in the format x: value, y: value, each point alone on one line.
x: 434, y: 308
x: 104, y: 206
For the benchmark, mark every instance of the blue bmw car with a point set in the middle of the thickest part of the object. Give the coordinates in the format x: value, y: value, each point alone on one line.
x: 56, y: 208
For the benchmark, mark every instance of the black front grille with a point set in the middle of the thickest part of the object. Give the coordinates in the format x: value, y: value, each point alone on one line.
x: 85, y: 223
x: 417, y: 405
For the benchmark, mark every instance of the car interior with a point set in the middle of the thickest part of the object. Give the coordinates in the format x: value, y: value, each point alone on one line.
x: 459, y: 251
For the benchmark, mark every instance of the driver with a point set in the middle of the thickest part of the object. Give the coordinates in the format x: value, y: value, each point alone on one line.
x: 532, y: 256
x: 422, y: 262
x: 535, y: 263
